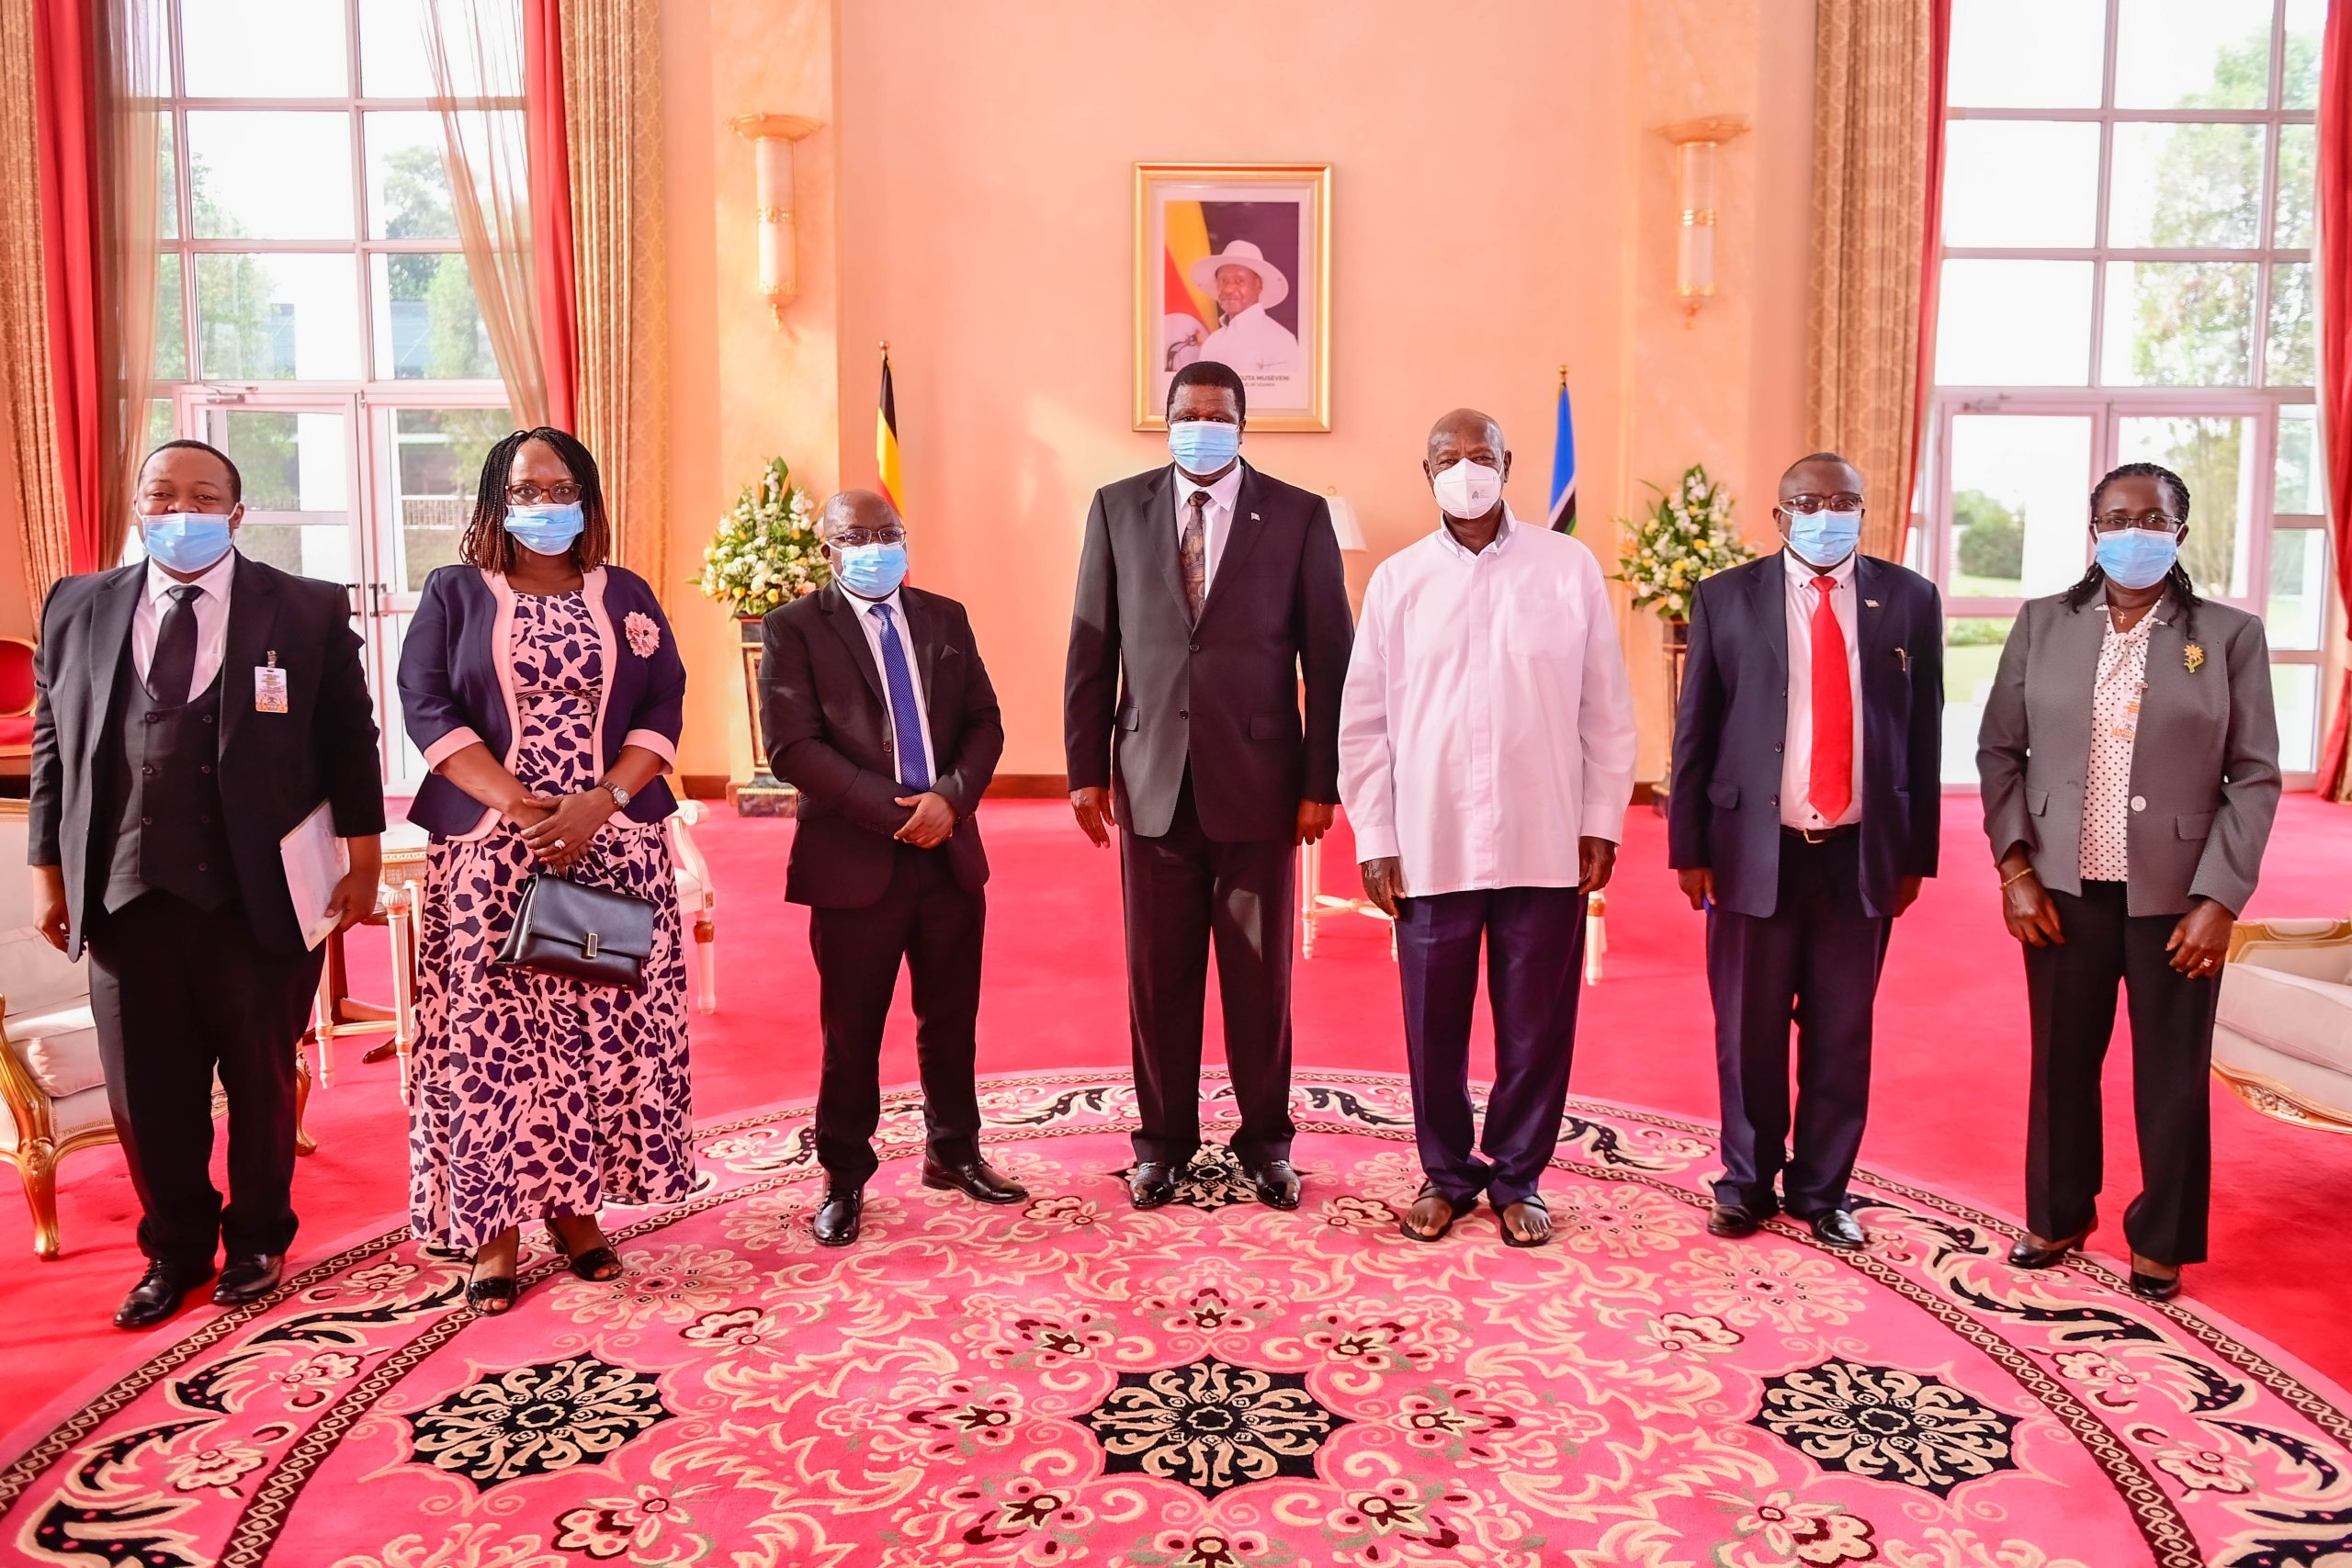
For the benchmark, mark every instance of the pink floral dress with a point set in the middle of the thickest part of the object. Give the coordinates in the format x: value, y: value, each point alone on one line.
x: 536, y: 1096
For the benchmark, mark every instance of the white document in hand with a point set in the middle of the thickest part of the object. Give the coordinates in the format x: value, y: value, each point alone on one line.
x: 315, y: 861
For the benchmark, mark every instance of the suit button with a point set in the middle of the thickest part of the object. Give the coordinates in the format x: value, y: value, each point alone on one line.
x: 149, y: 772
x: 886, y: 745
x: 203, y: 865
x: 1195, y: 647
x: 1785, y: 690
x: 153, y: 717
x: 2139, y: 803
x: 205, y: 769
x: 146, y: 821
x: 1776, y: 800
x: 1776, y: 745
x: 1182, y: 712
x: 208, y: 718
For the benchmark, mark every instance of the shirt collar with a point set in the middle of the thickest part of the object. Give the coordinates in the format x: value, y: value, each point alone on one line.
x: 1501, y: 541
x: 212, y: 581
x: 1223, y: 493
x: 1843, y: 572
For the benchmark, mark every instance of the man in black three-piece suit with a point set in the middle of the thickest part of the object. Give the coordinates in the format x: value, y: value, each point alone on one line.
x: 877, y: 710
x: 1207, y: 591
x: 1803, y: 813
x: 193, y: 710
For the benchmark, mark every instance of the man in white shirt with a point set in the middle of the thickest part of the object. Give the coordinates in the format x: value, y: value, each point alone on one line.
x: 1486, y: 760
x: 1804, y: 812
x: 1248, y: 286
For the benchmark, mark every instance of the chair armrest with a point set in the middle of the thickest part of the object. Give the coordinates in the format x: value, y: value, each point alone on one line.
x: 2318, y: 949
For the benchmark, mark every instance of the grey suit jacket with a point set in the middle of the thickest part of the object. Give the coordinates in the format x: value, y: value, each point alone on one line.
x: 2204, y: 769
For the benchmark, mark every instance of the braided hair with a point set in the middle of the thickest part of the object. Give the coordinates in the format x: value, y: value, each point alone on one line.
x: 487, y: 544
x: 2177, y: 579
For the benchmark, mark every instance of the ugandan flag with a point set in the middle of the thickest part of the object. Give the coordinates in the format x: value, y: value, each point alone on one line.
x: 1564, y: 464
x: 886, y: 442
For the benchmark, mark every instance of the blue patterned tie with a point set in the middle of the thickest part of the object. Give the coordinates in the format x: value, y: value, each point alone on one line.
x: 905, y: 720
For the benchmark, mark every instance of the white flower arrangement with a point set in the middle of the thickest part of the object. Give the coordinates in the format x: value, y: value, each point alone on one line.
x: 1686, y: 535
x: 766, y: 549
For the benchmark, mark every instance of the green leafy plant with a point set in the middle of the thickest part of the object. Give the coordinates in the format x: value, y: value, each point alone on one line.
x: 766, y: 549
x: 1686, y: 535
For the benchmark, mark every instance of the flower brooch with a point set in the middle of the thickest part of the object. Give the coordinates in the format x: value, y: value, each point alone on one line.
x: 644, y: 637
x: 2193, y: 657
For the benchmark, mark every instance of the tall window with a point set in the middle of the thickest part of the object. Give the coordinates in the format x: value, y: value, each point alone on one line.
x: 316, y: 319
x: 2127, y: 277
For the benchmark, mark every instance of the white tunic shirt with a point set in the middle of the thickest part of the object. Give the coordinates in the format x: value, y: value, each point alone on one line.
x: 1796, y: 756
x: 1254, y: 344
x: 1217, y: 519
x: 212, y: 618
x: 2115, y: 734
x: 1486, y: 724
x: 871, y: 624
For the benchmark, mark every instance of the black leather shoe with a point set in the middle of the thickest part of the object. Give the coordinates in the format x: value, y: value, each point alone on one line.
x: 2155, y: 1287
x: 1276, y: 1183
x: 157, y: 1295
x: 1733, y: 1221
x: 1150, y: 1183
x: 837, y: 1217
x: 2026, y: 1253
x: 975, y: 1179
x: 249, y: 1279
x: 1836, y: 1227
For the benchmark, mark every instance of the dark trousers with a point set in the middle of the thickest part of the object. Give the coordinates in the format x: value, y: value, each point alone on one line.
x: 1534, y: 941
x: 179, y: 993
x: 2070, y: 988
x: 935, y: 927
x: 1184, y: 891
x: 1813, y: 961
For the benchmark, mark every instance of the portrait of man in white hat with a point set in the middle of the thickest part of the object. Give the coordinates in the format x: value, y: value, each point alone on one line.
x: 1247, y: 285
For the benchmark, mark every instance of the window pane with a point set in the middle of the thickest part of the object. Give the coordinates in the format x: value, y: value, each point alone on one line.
x: 2020, y: 487
x: 435, y: 468
x: 2294, y: 688
x: 408, y: 182
x: 170, y: 363
x: 270, y: 176
x: 2298, y: 606
x: 2014, y: 323
x: 2296, y: 486
x: 159, y: 427
x: 2184, y: 54
x: 1972, y: 654
x: 2021, y: 183
x: 263, y: 49
x: 427, y: 324
x: 2185, y: 187
x: 2290, y: 359
x: 2304, y: 20
x: 392, y: 62
x: 274, y: 318
x: 2209, y: 455
x: 297, y: 468
x: 2297, y: 167
x: 2179, y: 324
x: 2060, y: 72
x: 168, y: 179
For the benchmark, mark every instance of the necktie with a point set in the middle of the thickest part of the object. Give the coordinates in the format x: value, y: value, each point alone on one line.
x: 173, y: 666
x: 1831, y: 786
x: 1193, y: 552
x: 905, y: 723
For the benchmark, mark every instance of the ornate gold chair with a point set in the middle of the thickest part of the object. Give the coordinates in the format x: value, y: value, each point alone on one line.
x: 2282, y: 1041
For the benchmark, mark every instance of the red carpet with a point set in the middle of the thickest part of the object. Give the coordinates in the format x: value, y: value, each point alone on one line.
x: 1949, y: 1099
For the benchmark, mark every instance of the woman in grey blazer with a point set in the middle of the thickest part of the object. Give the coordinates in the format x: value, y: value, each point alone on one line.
x: 2130, y: 761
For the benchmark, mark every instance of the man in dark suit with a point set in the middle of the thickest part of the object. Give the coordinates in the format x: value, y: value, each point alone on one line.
x: 1206, y: 592
x: 193, y: 710
x: 877, y: 709
x: 1803, y: 814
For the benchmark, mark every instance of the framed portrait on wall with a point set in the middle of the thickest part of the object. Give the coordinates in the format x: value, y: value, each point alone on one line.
x: 1233, y: 263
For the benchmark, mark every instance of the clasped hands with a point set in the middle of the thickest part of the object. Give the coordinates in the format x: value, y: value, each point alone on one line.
x: 1096, y: 816
x: 2199, y: 941
x: 1384, y: 875
x: 558, y: 829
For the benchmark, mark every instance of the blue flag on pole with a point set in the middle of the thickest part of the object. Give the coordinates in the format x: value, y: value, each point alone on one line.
x: 1564, y: 466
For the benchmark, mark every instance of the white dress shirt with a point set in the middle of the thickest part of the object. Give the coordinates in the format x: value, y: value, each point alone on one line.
x: 1796, y: 760
x: 1254, y: 344
x: 1486, y: 724
x: 212, y: 618
x: 1217, y: 516
x: 871, y: 624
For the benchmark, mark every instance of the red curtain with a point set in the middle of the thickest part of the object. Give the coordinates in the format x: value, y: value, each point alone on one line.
x: 1931, y: 237
x: 550, y: 182
x: 2335, y: 258
x: 65, y: 48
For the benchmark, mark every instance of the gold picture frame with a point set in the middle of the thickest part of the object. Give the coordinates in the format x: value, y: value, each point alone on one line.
x: 1266, y: 310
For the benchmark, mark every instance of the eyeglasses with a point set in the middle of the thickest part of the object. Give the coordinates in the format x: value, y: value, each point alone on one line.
x: 2116, y: 522
x: 531, y: 494
x: 1806, y: 505
x: 857, y: 538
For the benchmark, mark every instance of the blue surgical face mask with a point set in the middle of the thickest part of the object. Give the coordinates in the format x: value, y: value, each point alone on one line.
x: 1825, y: 537
x: 545, y: 530
x: 870, y: 571
x: 185, y: 541
x: 2137, y: 557
x: 1203, y: 446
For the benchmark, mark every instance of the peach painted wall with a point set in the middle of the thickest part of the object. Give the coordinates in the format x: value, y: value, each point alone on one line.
x: 1499, y: 207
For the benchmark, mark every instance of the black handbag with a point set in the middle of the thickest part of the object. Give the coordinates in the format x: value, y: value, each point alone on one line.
x: 589, y: 934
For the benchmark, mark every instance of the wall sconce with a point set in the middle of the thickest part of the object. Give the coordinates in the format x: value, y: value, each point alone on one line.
x: 771, y: 137
x: 1695, y: 141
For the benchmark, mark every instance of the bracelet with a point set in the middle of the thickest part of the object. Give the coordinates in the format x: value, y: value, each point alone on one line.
x: 2007, y: 882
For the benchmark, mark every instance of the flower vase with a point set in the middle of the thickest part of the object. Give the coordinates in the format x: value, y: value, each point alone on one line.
x: 763, y: 794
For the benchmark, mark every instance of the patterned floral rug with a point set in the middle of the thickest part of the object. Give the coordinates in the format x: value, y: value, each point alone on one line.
x: 1211, y: 1385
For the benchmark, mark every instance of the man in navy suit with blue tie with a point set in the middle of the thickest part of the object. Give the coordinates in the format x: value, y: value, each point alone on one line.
x: 879, y: 711
x: 1803, y: 814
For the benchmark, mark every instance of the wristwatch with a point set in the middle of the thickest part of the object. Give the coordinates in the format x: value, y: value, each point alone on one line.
x: 621, y: 796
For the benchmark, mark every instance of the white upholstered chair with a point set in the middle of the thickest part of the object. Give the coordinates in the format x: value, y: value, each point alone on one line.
x: 2283, y: 1038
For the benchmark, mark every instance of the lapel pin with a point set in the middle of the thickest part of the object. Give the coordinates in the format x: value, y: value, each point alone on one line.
x: 2193, y: 657
x: 1253, y: 517
x: 1872, y: 603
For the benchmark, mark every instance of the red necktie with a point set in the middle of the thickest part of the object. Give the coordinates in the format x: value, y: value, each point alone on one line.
x: 1831, y: 786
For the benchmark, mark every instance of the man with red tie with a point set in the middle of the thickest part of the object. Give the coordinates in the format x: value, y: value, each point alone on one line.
x: 1804, y: 811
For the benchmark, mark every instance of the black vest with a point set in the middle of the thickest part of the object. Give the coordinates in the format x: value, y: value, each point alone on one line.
x: 164, y: 788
